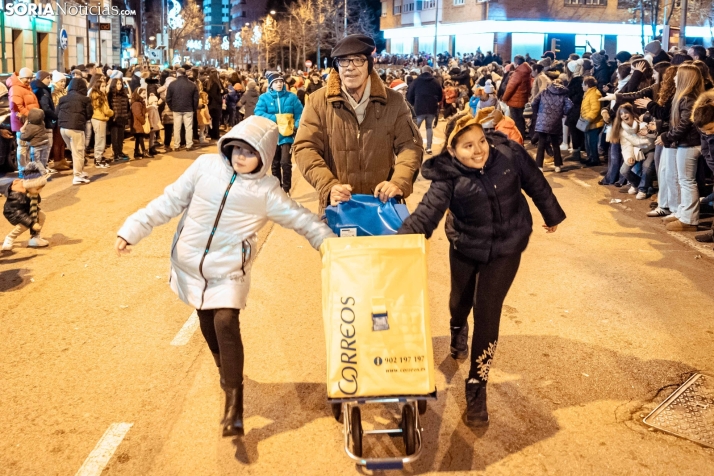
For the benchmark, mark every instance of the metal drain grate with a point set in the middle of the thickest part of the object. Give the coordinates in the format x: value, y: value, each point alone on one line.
x: 688, y: 412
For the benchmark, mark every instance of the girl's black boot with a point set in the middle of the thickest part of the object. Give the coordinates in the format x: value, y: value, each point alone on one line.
x: 476, y: 410
x: 233, y: 419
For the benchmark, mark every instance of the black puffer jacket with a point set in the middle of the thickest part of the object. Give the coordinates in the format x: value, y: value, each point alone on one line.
x: 425, y: 95
x: 119, y: 103
x: 182, y: 95
x: 576, y: 93
x: 44, y: 97
x: 75, y: 109
x: 684, y: 134
x: 17, y: 208
x: 490, y: 217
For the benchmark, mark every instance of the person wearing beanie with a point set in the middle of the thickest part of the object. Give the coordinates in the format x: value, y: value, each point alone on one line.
x: 22, y: 100
x: 182, y: 99
x: 329, y: 147
x: 247, y: 102
x: 229, y: 196
x: 491, y: 118
x: 623, y: 57
x: 22, y: 207
x: 654, y: 49
x: 283, y: 108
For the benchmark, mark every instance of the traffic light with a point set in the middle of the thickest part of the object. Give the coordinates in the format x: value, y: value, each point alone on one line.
x: 555, y: 45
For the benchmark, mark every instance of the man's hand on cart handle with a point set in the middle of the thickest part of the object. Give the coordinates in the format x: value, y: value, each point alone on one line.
x: 340, y: 193
x: 386, y: 190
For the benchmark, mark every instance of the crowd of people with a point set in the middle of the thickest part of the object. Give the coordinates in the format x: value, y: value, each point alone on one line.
x: 355, y: 129
x: 647, y: 117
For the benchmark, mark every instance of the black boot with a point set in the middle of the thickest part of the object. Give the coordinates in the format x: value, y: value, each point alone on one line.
x: 233, y: 420
x: 460, y: 342
x: 476, y: 411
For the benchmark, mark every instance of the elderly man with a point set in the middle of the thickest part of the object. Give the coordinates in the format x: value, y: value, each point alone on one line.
x: 355, y: 135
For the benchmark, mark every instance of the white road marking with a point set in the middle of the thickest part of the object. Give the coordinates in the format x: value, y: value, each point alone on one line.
x: 579, y: 182
x: 186, y: 332
x: 102, y: 453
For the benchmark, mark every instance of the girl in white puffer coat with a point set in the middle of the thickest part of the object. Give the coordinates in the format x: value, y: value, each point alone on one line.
x: 636, y: 138
x: 225, y: 198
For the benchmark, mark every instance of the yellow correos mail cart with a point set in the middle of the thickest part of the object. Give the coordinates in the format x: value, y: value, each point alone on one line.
x: 378, y: 334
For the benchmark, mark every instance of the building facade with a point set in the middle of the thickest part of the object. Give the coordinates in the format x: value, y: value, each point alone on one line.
x: 217, y: 16
x: 247, y: 11
x: 512, y: 27
x: 32, y: 41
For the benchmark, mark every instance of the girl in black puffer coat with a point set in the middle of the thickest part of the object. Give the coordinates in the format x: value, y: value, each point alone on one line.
x: 480, y: 181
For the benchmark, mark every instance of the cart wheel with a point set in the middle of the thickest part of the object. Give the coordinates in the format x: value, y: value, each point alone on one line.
x: 409, y: 429
x: 337, y: 411
x: 421, y: 405
x: 356, y: 428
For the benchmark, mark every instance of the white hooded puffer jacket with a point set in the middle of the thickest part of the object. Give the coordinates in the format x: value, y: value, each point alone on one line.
x: 213, y: 247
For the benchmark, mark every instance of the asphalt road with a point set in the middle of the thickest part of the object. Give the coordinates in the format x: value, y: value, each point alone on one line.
x: 606, y: 316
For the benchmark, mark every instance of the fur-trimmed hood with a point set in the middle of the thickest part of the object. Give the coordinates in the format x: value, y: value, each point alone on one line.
x: 378, y: 92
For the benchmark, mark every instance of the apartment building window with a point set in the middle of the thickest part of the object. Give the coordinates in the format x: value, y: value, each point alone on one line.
x: 408, y: 7
x: 458, y: 2
x: 587, y: 3
x: 425, y: 4
x: 384, y: 9
x: 397, y: 7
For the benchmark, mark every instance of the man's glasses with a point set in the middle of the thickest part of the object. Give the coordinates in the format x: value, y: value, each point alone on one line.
x: 345, y: 62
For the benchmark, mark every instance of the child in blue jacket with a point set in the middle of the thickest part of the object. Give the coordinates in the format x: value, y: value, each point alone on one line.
x: 274, y: 102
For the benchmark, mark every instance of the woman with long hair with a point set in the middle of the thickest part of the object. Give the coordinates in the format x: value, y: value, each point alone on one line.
x: 215, y: 91
x: 102, y: 114
x: 678, y: 167
x: 138, y: 114
x: 118, y: 100
x: 636, y: 142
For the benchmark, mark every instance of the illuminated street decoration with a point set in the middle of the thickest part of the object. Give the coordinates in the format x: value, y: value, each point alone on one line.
x: 194, y: 44
x: 256, y: 34
x: 238, y: 42
x: 208, y: 44
x: 175, y: 19
x: 224, y: 44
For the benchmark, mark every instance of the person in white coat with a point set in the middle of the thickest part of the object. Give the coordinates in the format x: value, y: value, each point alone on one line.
x: 225, y: 198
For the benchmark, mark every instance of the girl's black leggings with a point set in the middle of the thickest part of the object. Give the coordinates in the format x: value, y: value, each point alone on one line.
x: 139, y: 145
x: 221, y: 329
x: 483, y: 288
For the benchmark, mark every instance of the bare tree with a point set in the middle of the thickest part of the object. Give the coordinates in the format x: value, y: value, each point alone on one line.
x: 303, y: 13
x: 192, y: 27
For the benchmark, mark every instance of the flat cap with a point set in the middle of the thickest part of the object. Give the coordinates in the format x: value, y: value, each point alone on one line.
x: 354, y: 45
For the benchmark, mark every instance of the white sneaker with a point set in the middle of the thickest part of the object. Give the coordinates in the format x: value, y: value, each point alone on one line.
x: 79, y: 180
x: 37, y: 242
x: 641, y: 195
x: 557, y: 170
x: 632, y: 190
x: 7, y: 245
x: 563, y: 146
